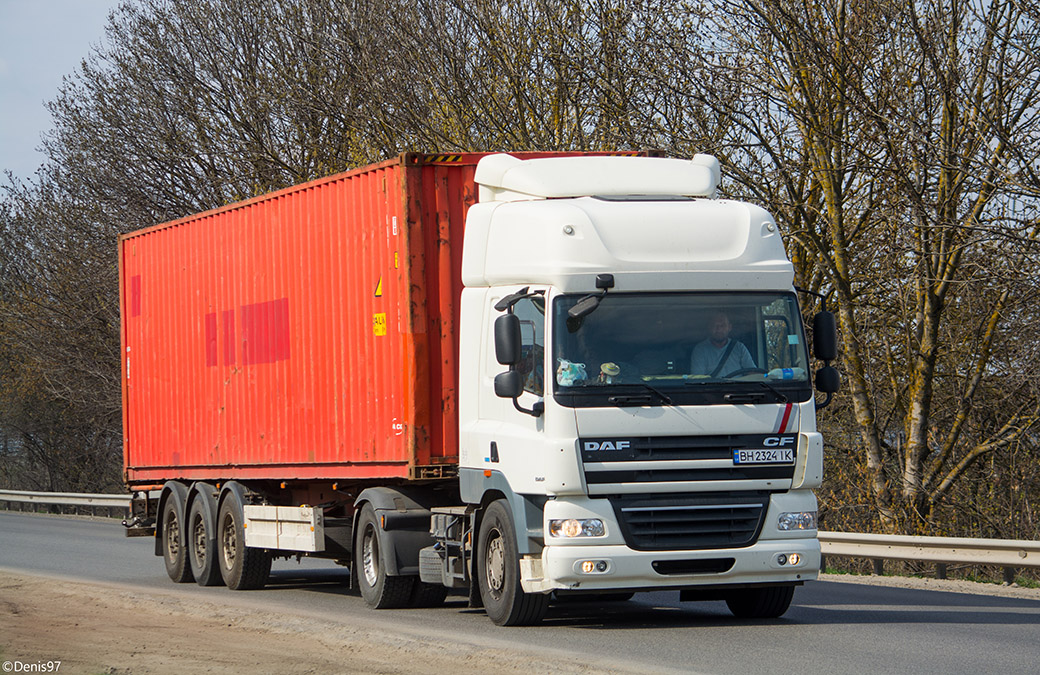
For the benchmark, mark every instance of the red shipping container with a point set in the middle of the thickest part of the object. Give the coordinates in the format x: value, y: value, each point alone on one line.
x: 305, y: 334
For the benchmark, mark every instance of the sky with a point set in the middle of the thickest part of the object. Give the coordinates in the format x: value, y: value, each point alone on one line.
x: 41, y: 41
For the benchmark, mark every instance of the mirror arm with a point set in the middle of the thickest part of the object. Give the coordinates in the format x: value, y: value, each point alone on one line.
x: 821, y: 296
x: 536, y: 410
x: 506, y: 303
x: 826, y: 401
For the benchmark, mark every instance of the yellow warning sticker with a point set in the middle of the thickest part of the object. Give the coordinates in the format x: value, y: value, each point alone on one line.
x: 379, y: 288
x: 379, y: 324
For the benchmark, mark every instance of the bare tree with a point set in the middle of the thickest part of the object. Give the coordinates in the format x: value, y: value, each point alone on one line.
x: 894, y: 139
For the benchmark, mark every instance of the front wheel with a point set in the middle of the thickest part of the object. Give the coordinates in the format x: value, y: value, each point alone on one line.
x: 498, y: 572
x: 760, y: 603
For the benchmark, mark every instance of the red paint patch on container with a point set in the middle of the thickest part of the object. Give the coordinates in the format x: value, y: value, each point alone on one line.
x: 265, y: 332
x: 228, y: 318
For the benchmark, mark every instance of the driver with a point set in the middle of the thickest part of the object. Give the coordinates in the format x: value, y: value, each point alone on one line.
x: 719, y: 356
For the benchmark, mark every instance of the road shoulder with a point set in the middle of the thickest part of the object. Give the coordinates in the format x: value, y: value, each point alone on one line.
x: 95, y: 628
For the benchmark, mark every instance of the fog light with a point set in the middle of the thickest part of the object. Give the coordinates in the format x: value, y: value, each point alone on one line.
x: 794, y: 558
x: 593, y: 566
x: 781, y: 559
x: 802, y: 520
x: 577, y: 527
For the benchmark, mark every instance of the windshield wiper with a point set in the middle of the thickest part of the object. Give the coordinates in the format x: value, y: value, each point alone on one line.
x: 638, y: 399
x: 664, y: 397
x: 780, y: 397
x: 746, y: 397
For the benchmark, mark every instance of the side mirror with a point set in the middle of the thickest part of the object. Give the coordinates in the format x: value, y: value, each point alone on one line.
x: 825, y: 337
x: 509, y: 384
x: 827, y: 380
x: 507, y: 340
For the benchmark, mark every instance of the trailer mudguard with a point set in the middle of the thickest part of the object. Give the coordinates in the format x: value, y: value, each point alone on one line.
x: 404, y: 520
x: 205, y: 493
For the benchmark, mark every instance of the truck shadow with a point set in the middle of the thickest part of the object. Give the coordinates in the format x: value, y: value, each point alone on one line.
x: 331, y: 580
x: 821, y: 603
x: 703, y: 617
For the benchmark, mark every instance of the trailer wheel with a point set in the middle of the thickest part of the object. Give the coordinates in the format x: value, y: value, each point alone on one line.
x: 175, y: 553
x: 380, y: 590
x: 202, y: 544
x: 498, y: 572
x: 241, y: 567
x: 760, y: 603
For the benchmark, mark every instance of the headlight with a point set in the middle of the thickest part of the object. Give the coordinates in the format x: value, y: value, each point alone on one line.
x: 577, y: 527
x: 802, y: 520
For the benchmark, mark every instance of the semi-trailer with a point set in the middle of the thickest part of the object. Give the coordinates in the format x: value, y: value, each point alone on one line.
x: 512, y: 376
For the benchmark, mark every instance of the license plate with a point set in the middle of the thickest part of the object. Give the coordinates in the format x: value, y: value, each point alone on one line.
x: 764, y: 456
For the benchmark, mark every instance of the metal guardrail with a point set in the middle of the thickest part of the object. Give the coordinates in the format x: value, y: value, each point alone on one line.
x: 1000, y: 552
x: 1006, y: 553
x: 66, y: 498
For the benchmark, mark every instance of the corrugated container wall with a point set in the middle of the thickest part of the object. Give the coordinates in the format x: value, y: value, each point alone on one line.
x: 309, y: 333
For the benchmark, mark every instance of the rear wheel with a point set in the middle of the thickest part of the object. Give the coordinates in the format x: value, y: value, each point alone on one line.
x: 498, y: 572
x: 202, y: 544
x: 380, y: 590
x: 760, y: 603
x: 241, y: 567
x: 175, y: 554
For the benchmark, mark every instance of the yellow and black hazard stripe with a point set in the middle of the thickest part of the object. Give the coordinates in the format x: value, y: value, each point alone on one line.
x: 443, y: 159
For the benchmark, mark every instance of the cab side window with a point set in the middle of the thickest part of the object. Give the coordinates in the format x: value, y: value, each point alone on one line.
x: 531, y: 312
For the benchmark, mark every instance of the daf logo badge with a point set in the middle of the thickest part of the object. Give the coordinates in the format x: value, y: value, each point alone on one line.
x: 607, y: 445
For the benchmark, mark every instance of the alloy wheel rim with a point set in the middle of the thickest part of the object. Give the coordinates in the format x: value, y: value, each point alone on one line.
x: 495, y: 565
x: 370, y: 556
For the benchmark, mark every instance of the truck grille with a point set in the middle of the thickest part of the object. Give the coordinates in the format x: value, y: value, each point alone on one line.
x: 684, y: 522
x: 668, y: 464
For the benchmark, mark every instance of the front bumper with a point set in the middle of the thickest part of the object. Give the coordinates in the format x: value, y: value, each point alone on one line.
x: 611, y: 564
x: 619, y: 567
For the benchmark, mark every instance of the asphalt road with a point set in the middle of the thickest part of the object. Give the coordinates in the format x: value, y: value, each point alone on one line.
x: 830, y: 628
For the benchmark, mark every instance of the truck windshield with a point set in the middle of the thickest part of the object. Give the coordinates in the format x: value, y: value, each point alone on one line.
x: 680, y: 349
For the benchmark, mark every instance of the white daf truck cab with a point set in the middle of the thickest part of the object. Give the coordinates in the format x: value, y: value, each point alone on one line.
x: 636, y: 409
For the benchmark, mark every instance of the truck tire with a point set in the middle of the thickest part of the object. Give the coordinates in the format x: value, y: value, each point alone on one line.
x: 498, y: 572
x: 202, y: 543
x: 760, y: 603
x: 242, y: 568
x: 380, y: 590
x: 175, y: 553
